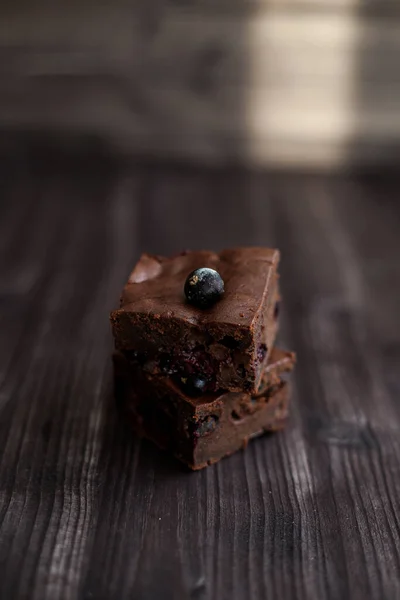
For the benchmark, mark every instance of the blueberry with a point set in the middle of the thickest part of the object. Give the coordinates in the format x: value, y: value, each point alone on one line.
x: 193, y: 385
x: 261, y: 352
x: 205, y: 426
x: 203, y: 287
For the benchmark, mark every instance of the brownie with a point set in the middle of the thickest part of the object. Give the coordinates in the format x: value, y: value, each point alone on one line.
x: 200, y: 431
x: 229, y: 344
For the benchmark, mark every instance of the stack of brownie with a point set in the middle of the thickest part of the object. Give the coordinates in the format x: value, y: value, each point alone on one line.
x: 195, y: 364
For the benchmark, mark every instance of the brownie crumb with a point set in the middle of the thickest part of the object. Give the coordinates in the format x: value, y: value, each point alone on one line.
x: 242, y: 371
x: 206, y: 426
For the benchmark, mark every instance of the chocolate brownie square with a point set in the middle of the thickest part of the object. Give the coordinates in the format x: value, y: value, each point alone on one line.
x: 227, y: 345
x: 200, y: 431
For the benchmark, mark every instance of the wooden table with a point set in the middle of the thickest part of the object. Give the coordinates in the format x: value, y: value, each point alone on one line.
x: 89, y: 512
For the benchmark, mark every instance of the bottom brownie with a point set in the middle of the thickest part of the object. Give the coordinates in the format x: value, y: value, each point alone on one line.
x: 200, y: 431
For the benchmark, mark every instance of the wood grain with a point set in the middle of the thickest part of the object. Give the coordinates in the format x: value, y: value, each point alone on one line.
x: 89, y: 512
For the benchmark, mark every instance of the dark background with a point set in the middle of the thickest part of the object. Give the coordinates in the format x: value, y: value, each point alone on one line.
x: 294, y: 83
x: 88, y: 511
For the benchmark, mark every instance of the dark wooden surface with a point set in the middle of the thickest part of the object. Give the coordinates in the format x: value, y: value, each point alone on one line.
x: 87, y: 511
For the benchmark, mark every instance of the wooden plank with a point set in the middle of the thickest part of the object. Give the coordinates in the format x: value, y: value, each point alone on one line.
x: 88, y: 511
x: 225, y: 51
x: 54, y: 387
x: 152, y: 12
x: 376, y: 253
x: 328, y: 7
x: 347, y: 390
x: 276, y: 87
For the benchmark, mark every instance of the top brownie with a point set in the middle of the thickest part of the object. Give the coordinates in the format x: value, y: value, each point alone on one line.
x: 226, y: 346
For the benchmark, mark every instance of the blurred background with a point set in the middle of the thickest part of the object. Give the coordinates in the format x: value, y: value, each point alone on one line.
x: 288, y: 83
